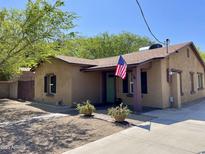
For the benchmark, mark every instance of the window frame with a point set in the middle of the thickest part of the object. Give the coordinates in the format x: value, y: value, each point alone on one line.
x: 131, y: 83
x: 200, y: 81
x: 125, y: 85
x: 52, y: 84
x: 192, y: 91
x: 146, y: 88
x: 48, y: 85
x: 128, y: 81
x: 188, y: 53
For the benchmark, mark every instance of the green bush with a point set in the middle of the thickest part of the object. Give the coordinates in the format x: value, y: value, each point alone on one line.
x: 86, y: 108
x: 119, y: 113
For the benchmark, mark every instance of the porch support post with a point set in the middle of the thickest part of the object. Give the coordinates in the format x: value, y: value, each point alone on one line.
x: 137, y: 99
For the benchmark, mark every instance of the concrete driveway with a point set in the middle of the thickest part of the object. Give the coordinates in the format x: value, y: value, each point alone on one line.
x: 174, y: 131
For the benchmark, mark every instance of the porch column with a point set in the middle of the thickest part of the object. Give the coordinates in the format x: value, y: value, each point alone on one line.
x: 137, y: 99
x: 175, y: 90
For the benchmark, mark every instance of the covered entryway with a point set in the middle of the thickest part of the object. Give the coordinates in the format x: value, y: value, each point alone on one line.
x: 26, y: 90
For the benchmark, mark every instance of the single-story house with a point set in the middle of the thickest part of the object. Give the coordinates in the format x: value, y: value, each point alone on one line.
x: 158, y: 78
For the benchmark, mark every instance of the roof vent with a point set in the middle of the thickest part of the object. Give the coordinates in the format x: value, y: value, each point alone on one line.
x: 155, y: 46
x: 144, y: 48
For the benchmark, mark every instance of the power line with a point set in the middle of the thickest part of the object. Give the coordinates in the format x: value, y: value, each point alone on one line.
x: 148, y: 27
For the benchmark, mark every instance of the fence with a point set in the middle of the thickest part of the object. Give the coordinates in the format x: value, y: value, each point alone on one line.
x: 8, y: 89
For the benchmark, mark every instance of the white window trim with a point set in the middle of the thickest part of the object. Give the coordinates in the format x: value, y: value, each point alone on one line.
x: 131, y: 83
x: 50, y: 84
x: 200, y: 81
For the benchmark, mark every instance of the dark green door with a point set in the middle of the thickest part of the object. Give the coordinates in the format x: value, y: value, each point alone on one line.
x: 110, y: 87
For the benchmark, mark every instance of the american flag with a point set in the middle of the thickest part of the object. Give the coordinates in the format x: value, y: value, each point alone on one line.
x: 121, y: 68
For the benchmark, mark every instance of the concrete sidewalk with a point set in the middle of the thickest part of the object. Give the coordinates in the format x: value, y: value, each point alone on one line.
x: 175, y: 131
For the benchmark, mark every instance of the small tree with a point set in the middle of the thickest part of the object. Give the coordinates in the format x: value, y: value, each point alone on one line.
x: 29, y: 35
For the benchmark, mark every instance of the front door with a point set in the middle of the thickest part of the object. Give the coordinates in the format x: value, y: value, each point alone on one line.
x: 110, y: 88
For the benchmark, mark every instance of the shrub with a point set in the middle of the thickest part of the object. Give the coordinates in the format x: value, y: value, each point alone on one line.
x: 119, y: 113
x: 86, y: 108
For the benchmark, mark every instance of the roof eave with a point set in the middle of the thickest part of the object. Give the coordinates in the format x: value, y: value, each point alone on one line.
x: 128, y: 66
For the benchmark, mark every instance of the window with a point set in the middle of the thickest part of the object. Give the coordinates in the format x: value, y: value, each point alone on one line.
x: 125, y: 85
x: 53, y: 84
x: 131, y: 84
x: 144, y: 82
x: 200, y: 81
x: 45, y: 84
x: 192, y: 82
x: 128, y: 84
x: 50, y: 84
x: 188, y: 52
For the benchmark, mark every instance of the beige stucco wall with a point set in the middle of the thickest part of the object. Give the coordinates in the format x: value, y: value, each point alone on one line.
x: 186, y: 64
x: 86, y: 85
x: 13, y: 90
x: 4, y: 89
x: 72, y: 85
x: 154, y: 81
x: 8, y: 89
x: 119, y: 92
x: 63, y: 80
x: 159, y: 90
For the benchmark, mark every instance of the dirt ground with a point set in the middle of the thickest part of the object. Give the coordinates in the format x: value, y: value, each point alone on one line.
x: 52, y: 135
x: 11, y: 110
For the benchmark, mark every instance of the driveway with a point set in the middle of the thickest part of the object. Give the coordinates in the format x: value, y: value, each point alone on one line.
x: 174, y: 131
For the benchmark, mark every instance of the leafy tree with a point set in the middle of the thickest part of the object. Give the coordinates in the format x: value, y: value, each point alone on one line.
x: 104, y: 45
x: 29, y: 35
x: 202, y: 53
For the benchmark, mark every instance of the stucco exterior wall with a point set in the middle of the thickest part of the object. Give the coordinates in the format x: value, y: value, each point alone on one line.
x: 86, y: 85
x: 4, y: 89
x: 159, y: 89
x: 154, y: 96
x: 13, y: 90
x: 63, y: 74
x: 154, y: 84
x: 186, y: 64
x: 8, y: 89
x: 72, y: 85
x: 119, y: 92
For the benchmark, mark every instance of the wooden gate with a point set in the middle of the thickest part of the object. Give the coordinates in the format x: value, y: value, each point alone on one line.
x: 26, y: 90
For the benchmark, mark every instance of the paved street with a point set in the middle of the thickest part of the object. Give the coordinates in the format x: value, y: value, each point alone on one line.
x: 174, y: 131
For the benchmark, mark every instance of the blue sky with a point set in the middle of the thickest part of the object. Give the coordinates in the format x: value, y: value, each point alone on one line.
x: 179, y: 20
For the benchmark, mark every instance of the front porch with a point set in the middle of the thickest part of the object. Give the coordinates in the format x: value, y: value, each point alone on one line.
x: 130, y: 91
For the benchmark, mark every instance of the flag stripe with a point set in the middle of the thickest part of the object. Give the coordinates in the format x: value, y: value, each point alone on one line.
x: 121, y: 68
